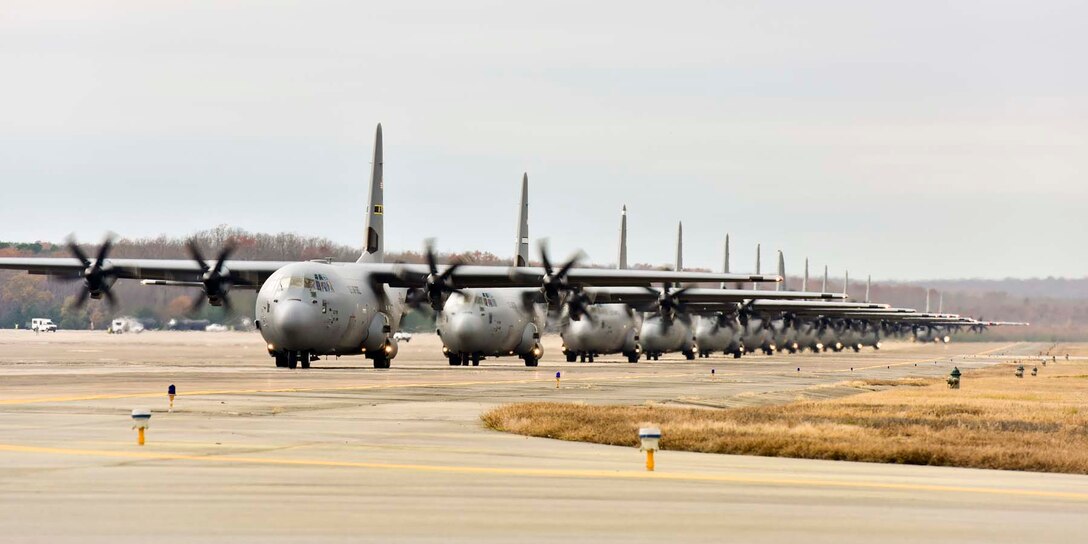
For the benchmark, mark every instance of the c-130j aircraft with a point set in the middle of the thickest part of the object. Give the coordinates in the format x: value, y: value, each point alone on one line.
x: 311, y: 308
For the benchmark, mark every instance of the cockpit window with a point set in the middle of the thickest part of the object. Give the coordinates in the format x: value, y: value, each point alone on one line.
x: 318, y: 283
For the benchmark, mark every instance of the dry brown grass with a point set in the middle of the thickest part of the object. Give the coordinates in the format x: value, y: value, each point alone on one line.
x: 883, y: 382
x: 994, y: 421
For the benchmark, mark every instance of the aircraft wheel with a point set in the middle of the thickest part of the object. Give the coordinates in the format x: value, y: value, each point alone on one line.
x: 736, y: 355
x: 281, y: 359
x: 689, y: 355
x: 632, y: 357
x: 304, y: 359
x: 455, y: 359
x: 381, y: 362
x: 475, y: 359
x: 591, y: 357
x: 571, y: 356
x: 292, y: 360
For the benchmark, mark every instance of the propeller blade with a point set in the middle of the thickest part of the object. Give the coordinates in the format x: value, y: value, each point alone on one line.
x: 103, y: 252
x: 194, y: 253
x: 77, y: 252
x: 110, y: 299
x: 224, y: 254
x: 82, y: 299
x: 197, y: 304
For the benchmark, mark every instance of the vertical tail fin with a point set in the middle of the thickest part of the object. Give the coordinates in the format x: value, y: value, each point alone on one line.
x: 940, y: 302
x: 868, y: 287
x: 521, y: 254
x: 846, y: 284
x: 928, y: 291
x: 758, y: 270
x: 725, y: 265
x: 824, y: 288
x: 623, y: 239
x: 374, y: 244
x: 781, y: 271
x: 680, y: 247
x: 804, y: 282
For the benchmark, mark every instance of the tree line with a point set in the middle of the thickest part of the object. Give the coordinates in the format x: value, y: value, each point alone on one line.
x: 24, y: 296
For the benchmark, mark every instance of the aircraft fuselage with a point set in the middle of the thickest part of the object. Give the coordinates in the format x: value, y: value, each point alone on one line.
x: 326, y: 309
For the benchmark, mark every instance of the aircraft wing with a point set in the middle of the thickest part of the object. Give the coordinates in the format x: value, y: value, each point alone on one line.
x: 252, y: 273
x: 814, y: 305
x: 408, y: 275
x: 637, y: 296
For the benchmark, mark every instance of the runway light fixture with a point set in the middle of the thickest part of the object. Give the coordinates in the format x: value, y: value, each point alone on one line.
x: 557, y: 375
x: 649, y: 437
x: 141, y: 417
x: 170, y: 392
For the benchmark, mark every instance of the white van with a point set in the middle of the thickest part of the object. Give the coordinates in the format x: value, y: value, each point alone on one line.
x: 125, y: 324
x: 41, y: 324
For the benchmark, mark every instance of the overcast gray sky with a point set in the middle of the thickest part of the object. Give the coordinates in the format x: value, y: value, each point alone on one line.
x: 906, y: 139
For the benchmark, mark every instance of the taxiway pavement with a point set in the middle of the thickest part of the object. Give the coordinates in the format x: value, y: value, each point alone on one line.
x: 344, y: 452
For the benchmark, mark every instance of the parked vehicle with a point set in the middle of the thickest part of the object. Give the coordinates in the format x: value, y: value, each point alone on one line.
x: 126, y: 324
x: 42, y: 324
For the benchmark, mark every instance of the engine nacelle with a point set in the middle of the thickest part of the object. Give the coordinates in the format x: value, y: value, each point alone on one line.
x: 530, y: 339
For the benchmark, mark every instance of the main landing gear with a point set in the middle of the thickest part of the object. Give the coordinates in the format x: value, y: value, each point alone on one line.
x: 463, y: 359
x: 292, y: 359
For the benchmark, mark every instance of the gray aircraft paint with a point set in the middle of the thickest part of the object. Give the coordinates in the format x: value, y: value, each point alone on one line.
x: 713, y: 333
x: 804, y: 281
x: 521, y: 252
x: 374, y: 242
x: 725, y: 265
x: 657, y: 336
x: 352, y: 317
x: 823, y: 287
x: 495, y: 322
x: 614, y: 328
x: 680, y: 247
x: 621, y: 263
x: 781, y: 271
x: 758, y: 255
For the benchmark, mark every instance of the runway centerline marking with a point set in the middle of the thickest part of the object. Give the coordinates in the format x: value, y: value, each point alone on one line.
x: 552, y: 473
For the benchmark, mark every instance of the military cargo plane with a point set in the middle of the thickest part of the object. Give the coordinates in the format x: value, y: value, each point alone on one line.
x: 320, y: 307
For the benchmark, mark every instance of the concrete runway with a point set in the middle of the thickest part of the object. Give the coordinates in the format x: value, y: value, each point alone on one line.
x: 343, y: 452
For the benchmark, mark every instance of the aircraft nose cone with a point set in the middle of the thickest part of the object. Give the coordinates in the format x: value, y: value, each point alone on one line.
x: 292, y: 320
x: 467, y: 332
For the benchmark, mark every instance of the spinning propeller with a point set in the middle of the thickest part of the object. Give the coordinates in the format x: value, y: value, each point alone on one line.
x: 216, y: 280
x: 98, y: 276
x: 437, y: 287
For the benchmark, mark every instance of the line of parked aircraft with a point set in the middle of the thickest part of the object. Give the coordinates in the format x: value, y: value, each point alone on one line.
x: 319, y: 307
